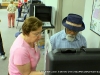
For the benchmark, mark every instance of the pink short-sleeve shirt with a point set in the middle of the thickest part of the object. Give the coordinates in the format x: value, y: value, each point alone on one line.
x: 21, y: 53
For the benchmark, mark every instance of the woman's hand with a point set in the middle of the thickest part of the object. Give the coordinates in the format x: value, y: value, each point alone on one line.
x: 38, y: 73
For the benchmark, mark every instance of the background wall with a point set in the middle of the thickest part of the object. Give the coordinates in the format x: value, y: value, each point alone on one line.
x: 0, y: 1
x: 72, y: 6
x: 93, y: 40
x: 55, y: 13
x: 52, y: 3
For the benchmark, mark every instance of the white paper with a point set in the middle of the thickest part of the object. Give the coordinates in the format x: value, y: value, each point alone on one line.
x: 46, y: 24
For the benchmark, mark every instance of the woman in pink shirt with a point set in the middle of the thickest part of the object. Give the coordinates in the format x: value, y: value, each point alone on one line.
x: 24, y: 53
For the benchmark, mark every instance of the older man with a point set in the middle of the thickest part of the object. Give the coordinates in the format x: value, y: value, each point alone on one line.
x: 70, y: 36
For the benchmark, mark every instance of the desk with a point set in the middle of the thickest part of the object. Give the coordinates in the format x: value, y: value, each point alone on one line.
x: 49, y: 27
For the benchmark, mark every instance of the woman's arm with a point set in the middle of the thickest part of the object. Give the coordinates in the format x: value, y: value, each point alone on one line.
x: 15, y: 7
x: 26, y: 70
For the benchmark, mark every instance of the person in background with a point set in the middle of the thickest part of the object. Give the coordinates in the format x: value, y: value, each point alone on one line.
x: 11, y: 13
x: 70, y: 36
x: 25, y: 1
x: 2, y: 53
x: 24, y: 53
x: 25, y: 4
x: 29, y: 1
x: 20, y: 4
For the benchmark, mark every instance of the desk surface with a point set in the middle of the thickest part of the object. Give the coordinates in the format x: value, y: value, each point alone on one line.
x: 47, y: 25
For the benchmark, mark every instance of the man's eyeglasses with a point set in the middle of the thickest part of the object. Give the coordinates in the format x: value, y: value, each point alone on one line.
x: 72, y: 31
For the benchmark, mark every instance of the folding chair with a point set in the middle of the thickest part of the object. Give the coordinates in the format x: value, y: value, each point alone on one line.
x: 25, y: 11
x: 21, y: 19
x: 17, y: 33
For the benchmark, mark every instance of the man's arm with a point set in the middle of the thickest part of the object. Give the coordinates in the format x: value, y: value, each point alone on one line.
x: 84, y: 42
x: 52, y: 41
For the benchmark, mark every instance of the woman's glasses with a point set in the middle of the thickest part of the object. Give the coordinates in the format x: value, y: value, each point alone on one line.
x: 37, y: 34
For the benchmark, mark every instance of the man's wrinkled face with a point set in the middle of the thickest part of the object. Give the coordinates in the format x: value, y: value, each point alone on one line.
x: 70, y: 35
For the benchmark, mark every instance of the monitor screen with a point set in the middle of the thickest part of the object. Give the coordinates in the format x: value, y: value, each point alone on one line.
x: 73, y: 62
x: 36, y: 1
x: 43, y: 13
x: 32, y: 9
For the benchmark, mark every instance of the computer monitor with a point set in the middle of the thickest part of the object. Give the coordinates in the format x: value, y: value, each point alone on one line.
x: 36, y: 1
x: 43, y: 13
x: 73, y: 62
x: 32, y: 8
